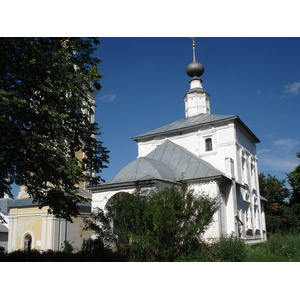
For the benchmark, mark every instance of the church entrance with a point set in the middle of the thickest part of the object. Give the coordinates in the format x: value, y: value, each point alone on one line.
x: 27, y: 242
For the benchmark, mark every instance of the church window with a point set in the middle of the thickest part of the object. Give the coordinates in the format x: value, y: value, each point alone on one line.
x: 27, y: 242
x: 208, y: 144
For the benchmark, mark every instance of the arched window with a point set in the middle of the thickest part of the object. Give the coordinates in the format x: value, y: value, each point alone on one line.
x: 208, y: 144
x: 27, y: 242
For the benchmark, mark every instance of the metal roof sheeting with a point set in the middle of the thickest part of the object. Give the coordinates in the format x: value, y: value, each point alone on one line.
x: 27, y: 202
x: 202, y: 119
x: 24, y: 202
x: 168, y: 162
x: 187, y: 165
x: 193, y: 122
x: 144, y: 168
x: 4, y: 205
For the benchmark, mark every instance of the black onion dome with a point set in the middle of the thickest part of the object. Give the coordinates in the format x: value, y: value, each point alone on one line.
x: 195, y: 69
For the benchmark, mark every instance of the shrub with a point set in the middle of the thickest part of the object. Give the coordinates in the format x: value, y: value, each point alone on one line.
x: 230, y: 249
x: 67, y: 247
x: 165, y: 226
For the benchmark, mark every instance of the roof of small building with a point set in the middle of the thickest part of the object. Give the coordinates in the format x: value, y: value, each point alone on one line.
x: 4, y: 205
x: 24, y: 202
x: 193, y: 122
x: 29, y: 202
x: 168, y: 162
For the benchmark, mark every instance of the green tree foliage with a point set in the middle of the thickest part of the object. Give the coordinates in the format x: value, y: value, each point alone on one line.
x: 276, y: 193
x: 282, y: 213
x: 272, y: 189
x: 294, y: 181
x: 45, y: 119
x: 162, y: 227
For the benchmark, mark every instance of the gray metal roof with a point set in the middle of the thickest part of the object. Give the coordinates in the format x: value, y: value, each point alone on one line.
x: 4, y: 205
x: 168, y: 162
x: 28, y: 202
x: 24, y: 202
x: 144, y: 168
x: 192, y: 122
x: 187, y: 165
x: 202, y: 119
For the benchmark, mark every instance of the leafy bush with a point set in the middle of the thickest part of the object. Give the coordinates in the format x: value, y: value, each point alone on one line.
x: 67, y: 247
x: 274, y: 224
x: 165, y: 226
x: 230, y: 249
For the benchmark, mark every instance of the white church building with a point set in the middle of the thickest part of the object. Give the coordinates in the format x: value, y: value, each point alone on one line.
x: 214, y: 154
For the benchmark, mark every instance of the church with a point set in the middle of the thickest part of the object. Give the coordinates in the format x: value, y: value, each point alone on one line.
x: 214, y: 154
x: 32, y: 227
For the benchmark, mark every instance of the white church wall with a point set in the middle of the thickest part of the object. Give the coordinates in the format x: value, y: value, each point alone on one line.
x: 224, y: 146
x: 230, y: 209
x: 222, y: 136
x: 145, y: 148
x: 225, y: 143
x: 251, y: 214
x: 100, y: 199
x: 245, y: 142
x: 210, y: 189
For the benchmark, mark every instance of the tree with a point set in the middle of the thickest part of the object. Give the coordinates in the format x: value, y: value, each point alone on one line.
x: 276, y: 193
x: 162, y: 227
x: 294, y: 181
x: 45, y: 119
x: 272, y: 189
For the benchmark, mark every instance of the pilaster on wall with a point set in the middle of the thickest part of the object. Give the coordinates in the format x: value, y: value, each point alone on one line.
x: 12, y: 233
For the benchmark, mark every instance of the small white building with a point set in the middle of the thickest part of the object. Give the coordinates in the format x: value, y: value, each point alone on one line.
x: 4, y: 220
x: 214, y: 154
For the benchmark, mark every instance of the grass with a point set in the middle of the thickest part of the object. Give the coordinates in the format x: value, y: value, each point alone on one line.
x: 278, y: 248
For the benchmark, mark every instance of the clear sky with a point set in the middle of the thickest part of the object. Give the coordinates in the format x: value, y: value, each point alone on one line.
x: 257, y: 79
x: 144, y: 82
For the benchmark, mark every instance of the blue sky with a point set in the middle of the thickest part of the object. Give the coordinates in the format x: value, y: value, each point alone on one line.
x: 144, y: 82
x: 257, y: 79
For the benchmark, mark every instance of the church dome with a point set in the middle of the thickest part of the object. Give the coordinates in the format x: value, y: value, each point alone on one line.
x: 195, y: 69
